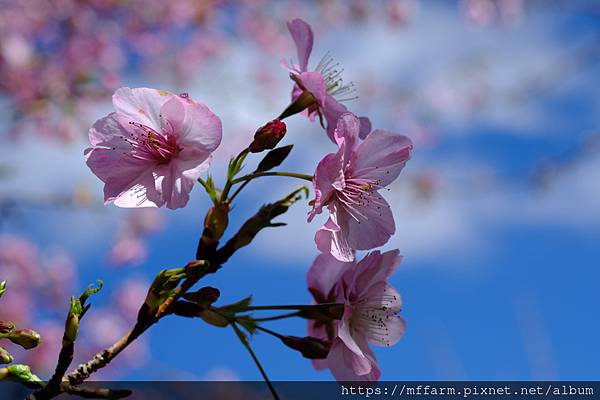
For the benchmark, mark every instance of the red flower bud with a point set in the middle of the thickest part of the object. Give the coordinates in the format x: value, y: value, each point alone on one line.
x: 6, y: 327
x: 267, y: 136
x: 310, y: 347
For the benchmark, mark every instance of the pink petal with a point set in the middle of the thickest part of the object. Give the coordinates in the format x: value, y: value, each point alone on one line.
x: 141, y: 105
x: 368, y: 226
x: 201, y: 128
x: 320, y: 364
x: 193, y: 163
x: 317, y: 330
x: 137, y: 192
x: 325, y: 272
x: 173, y: 187
x: 395, y: 325
x: 346, y: 366
x: 107, y: 132
x: 375, y: 268
x: 346, y: 133
x: 365, y: 127
x: 332, y: 110
x: 382, y: 156
x: 331, y: 239
x: 303, y: 37
x: 345, y: 334
x: 315, y: 84
x: 172, y: 114
x: 328, y: 176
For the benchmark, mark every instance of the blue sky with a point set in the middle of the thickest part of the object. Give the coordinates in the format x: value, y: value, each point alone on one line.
x: 499, y: 277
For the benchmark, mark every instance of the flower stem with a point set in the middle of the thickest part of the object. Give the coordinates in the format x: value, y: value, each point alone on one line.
x: 259, y: 174
x: 246, y: 344
x: 290, y: 307
x: 270, y: 332
x: 240, y: 157
x: 238, y: 190
x: 276, y: 317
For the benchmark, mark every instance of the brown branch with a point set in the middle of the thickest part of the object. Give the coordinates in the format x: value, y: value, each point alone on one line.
x: 94, y: 393
x: 104, y: 357
x: 214, y: 225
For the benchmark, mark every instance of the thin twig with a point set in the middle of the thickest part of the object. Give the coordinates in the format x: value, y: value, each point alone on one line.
x: 270, y: 173
x: 276, y: 317
x: 245, y: 343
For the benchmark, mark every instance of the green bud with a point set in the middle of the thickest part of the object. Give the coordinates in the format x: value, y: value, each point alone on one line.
x: 22, y: 374
x: 72, y: 323
x: 26, y: 338
x: 215, y: 319
x: 216, y: 221
x: 5, y: 357
x: 2, y: 287
x: 6, y: 327
x: 302, y: 102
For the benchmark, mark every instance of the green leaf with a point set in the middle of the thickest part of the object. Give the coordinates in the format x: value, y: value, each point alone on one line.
x: 82, y: 308
x: 237, y: 307
x: 248, y: 324
x: 274, y: 158
x: 22, y: 374
x: 211, y: 189
x: 2, y: 288
x: 235, y: 165
x: 214, y: 318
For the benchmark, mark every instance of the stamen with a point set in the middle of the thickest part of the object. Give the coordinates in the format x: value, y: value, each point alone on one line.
x: 150, y: 145
x: 334, y: 83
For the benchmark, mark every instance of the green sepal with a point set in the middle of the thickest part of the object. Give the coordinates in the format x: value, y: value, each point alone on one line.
x: 274, y: 158
x: 236, y: 307
x: 22, y: 373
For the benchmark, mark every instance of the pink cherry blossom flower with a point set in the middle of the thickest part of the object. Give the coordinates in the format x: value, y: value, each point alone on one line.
x: 325, y: 83
x: 371, y: 308
x: 151, y: 151
x: 347, y: 183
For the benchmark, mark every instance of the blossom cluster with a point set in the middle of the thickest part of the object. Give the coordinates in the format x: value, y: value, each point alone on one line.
x: 59, y: 59
x: 155, y: 146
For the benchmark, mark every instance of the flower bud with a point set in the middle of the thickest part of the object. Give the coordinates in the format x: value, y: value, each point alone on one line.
x: 310, y: 347
x: 204, y: 296
x: 267, y: 136
x: 26, y: 338
x: 214, y: 318
x: 71, y: 327
x: 305, y: 101
x: 5, y: 357
x: 21, y: 373
x: 2, y: 287
x: 6, y: 327
x: 216, y: 221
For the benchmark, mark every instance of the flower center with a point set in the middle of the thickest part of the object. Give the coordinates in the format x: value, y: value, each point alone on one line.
x: 149, y: 145
x: 372, y: 315
x: 359, y: 194
x: 334, y: 84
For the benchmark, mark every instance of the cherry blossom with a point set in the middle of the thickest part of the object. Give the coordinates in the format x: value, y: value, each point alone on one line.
x: 150, y: 152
